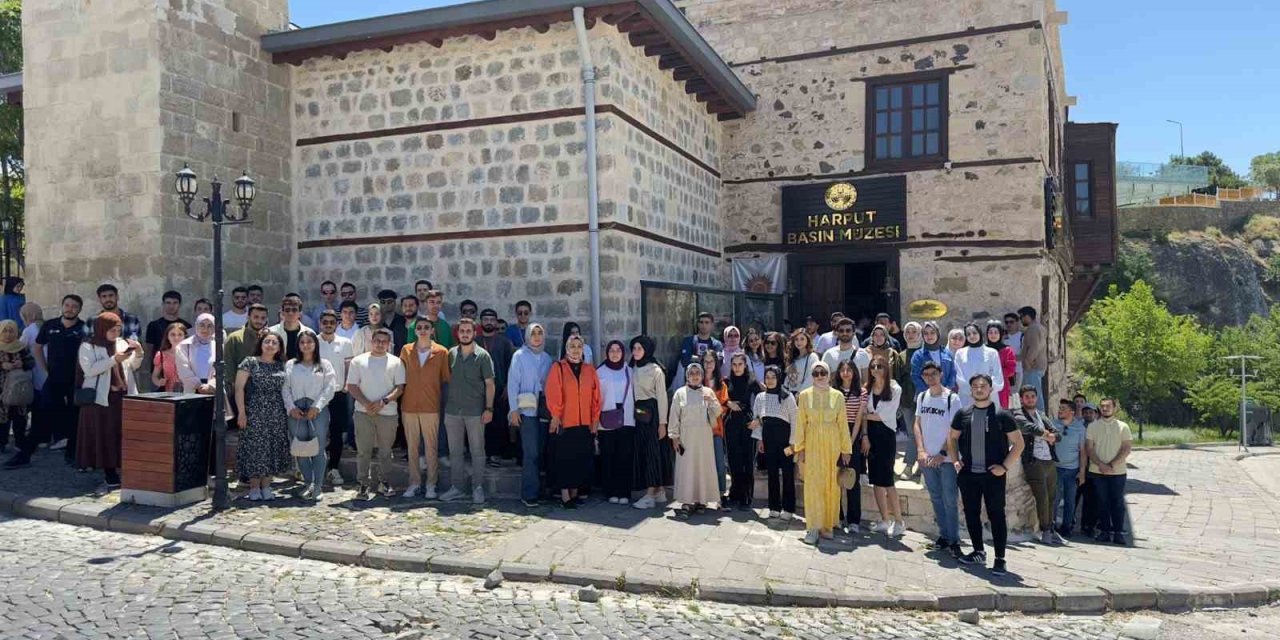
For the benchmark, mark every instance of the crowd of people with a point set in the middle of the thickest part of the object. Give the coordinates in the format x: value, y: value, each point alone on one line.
x: 831, y: 409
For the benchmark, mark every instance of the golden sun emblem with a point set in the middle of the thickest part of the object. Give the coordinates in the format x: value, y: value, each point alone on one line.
x: 841, y: 196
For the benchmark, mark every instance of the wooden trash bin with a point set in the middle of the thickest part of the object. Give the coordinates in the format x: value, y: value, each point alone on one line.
x: 165, y: 448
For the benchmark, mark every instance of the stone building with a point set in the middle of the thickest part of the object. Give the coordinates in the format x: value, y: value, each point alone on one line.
x: 893, y: 153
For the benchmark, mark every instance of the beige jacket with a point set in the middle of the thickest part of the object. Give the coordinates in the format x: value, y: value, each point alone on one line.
x: 96, y: 365
x: 1034, y: 356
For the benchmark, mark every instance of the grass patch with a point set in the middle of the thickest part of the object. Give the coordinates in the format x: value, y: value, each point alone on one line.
x: 1262, y: 228
x: 1159, y: 435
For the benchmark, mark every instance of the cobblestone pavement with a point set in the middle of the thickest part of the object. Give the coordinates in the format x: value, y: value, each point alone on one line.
x: 1200, y: 516
x: 62, y: 581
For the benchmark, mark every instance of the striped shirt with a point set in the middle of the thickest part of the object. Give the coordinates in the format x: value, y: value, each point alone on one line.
x: 853, y: 403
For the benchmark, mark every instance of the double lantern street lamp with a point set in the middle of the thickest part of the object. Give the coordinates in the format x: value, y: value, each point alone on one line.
x: 216, y: 208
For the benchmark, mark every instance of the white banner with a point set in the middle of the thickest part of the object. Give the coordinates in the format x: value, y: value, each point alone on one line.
x: 764, y: 274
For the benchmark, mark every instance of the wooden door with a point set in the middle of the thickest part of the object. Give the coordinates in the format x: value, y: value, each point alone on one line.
x: 821, y: 292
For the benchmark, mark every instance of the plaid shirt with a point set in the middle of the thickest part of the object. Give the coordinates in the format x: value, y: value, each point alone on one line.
x: 132, y: 326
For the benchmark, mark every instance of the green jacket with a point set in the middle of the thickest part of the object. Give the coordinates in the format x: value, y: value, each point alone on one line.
x: 902, y: 373
x: 235, y: 349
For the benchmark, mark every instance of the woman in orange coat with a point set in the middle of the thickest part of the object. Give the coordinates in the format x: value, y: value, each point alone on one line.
x: 573, y: 399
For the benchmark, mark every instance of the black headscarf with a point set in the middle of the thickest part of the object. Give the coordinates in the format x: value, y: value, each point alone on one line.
x: 12, y: 283
x: 606, y: 362
x: 977, y: 330
x: 998, y: 325
x: 782, y: 393
x: 647, y: 344
x: 564, y: 336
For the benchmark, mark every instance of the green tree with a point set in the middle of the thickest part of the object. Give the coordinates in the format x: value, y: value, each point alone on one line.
x: 12, y: 170
x: 1221, y: 176
x: 1137, y: 351
x: 1216, y: 395
x: 1264, y: 170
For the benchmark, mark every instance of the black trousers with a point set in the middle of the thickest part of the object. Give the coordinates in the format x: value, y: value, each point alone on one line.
x: 740, y: 449
x: 617, y: 461
x: 780, y: 467
x: 498, y: 442
x: 1109, y: 491
x: 338, y: 422
x: 977, y: 489
x: 59, y: 417
x: 1088, y: 506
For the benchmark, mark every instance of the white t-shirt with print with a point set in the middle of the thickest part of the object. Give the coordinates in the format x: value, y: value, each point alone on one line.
x: 935, y: 413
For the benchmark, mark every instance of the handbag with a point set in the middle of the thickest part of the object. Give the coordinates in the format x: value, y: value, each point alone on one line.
x: 527, y: 401
x: 616, y: 417
x: 19, y: 389
x: 304, y: 443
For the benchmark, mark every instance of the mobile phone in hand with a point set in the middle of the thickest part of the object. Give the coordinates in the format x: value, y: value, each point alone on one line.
x: 680, y: 449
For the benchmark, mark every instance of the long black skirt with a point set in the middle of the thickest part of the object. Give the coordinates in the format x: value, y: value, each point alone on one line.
x: 654, y: 458
x: 574, y: 457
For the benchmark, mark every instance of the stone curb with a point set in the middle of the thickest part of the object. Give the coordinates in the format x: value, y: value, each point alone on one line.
x: 1170, y: 599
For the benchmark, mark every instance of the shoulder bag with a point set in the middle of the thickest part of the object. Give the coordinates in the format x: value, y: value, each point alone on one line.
x: 19, y: 389
x: 84, y: 397
x: 616, y: 417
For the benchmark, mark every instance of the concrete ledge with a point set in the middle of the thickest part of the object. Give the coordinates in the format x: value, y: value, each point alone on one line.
x: 1249, y: 595
x: 230, y: 536
x: 85, y: 514
x: 801, y: 596
x: 279, y: 545
x: 1131, y: 598
x: 1077, y: 600
x: 461, y: 565
x: 1174, y: 599
x: 1273, y: 590
x: 866, y: 600
x: 973, y: 598
x: 734, y: 593
x: 522, y: 572
x: 201, y: 532
x: 37, y: 508
x: 396, y: 559
x: 581, y: 577
x: 135, y: 523
x: 1210, y: 597
x: 681, y: 586
x: 334, y: 551
x: 1023, y: 599
x: 918, y: 600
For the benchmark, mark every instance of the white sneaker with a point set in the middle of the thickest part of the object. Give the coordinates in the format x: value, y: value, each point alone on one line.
x: 452, y: 494
x: 661, y: 498
x: 882, y: 527
x: 773, y: 515
x: 787, y: 516
x: 613, y: 501
x: 853, y: 528
x: 623, y: 501
x: 335, y: 478
x: 61, y: 444
x: 477, y: 495
x: 411, y: 492
x: 644, y: 503
x: 897, y: 529
x: 430, y: 493
x: 267, y: 494
x: 255, y: 495
x: 811, y: 537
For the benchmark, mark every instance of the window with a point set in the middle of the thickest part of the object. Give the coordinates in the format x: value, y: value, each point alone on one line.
x: 1082, y: 190
x: 908, y: 121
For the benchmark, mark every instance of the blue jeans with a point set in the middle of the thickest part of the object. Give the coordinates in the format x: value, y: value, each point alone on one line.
x: 1067, y: 489
x: 313, y: 468
x: 1035, y: 379
x: 533, y: 439
x: 945, y: 495
x: 718, y: 441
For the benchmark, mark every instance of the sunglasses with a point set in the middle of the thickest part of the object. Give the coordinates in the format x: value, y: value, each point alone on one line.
x: 819, y: 374
x: 877, y: 367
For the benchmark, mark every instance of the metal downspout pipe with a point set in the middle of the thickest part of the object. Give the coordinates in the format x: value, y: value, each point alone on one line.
x: 593, y: 193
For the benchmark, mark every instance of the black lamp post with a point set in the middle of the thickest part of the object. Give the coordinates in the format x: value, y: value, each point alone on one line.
x: 6, y: 227
x: 216, y: 208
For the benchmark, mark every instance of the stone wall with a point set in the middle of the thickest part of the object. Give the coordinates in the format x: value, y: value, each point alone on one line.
x: 1229, y: 216
x: 517, y: 176
x: 116, y: 96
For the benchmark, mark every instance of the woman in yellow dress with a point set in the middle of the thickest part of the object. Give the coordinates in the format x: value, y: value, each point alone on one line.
x: 821, y: 438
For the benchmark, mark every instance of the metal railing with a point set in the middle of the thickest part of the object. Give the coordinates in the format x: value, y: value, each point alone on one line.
x: 1190, y: 175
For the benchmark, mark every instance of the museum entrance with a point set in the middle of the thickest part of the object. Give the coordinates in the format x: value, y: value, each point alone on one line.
x: 860, y: 288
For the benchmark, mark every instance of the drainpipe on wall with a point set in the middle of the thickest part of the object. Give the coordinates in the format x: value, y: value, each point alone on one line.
x: 593, y: 195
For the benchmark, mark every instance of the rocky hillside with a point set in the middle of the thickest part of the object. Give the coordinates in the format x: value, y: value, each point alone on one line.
x: 1220, y: 277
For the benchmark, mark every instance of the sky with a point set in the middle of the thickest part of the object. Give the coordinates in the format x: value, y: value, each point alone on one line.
x: 1214, y: 66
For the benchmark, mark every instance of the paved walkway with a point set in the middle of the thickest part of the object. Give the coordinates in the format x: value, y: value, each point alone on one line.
x: 1201, y: 521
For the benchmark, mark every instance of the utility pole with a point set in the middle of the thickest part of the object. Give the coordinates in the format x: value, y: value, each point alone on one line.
x: 1244, y: 376
x: 1182, y: 148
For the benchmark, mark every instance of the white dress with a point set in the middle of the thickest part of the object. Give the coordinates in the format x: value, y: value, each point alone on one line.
x: 970, y: 361
x: 690, y: 419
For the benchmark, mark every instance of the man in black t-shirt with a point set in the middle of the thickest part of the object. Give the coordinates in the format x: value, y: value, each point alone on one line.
x: 61, y: 337
x: 984, y: 443
x: 171, y: 305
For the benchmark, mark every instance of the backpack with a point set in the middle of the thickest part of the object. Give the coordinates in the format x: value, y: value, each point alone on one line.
x: 950, y: 396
